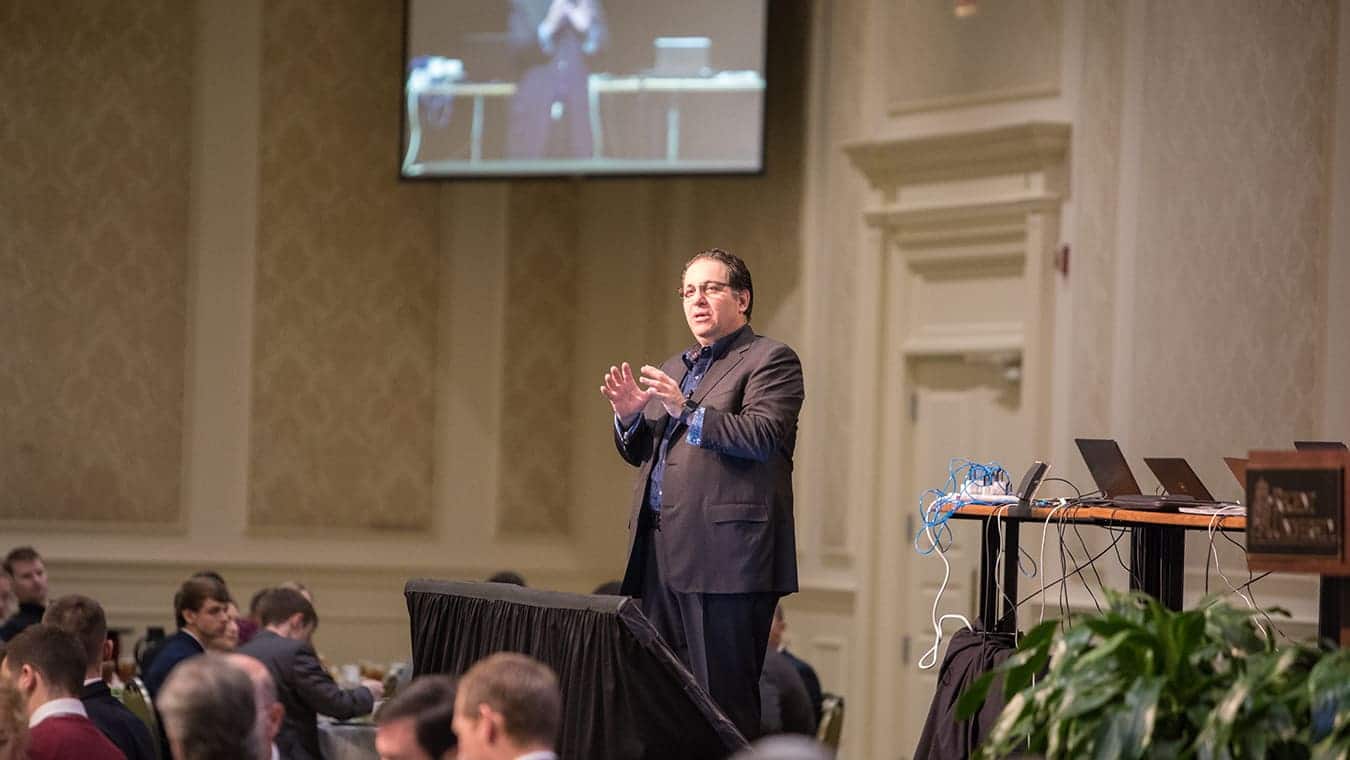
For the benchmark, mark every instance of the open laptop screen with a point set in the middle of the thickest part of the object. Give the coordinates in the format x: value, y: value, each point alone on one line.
x: 1107, y: 464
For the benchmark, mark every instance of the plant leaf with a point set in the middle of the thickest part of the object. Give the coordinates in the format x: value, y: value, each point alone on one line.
x: 972, y: 699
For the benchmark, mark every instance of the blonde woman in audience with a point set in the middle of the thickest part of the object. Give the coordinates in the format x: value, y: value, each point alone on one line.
x: 13, y: 722
x: 229, y: 640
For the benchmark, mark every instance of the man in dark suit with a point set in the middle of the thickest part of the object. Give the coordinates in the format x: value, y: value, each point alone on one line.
x: 270, y: 710
x: 712, y: 544
x: 46, y: 664
x: 84, y: 619
x: 551, y: 41
x: 303, y: 686
x: 202, y: 603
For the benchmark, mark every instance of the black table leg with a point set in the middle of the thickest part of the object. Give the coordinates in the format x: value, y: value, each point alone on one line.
x: 1332, y: 594
x: 1143, y: 560
x: 1171, y: 566
x: 1011, y: 555
x: 988, y: 561
x: 1158, y: 563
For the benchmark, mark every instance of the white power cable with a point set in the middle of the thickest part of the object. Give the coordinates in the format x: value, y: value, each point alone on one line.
x: 1214, y: 551
x: 1041, y: 560
x: 931, y: 656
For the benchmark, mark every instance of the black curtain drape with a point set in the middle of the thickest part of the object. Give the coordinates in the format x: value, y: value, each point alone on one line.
x: 625, y: 694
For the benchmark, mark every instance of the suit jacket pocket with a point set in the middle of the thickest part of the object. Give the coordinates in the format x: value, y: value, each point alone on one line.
x: 723, y: 513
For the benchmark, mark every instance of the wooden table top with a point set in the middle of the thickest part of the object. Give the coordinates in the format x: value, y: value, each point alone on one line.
x: 1108, y: 514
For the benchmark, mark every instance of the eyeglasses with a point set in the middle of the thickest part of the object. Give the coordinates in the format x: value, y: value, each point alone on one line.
x: 710, y: 289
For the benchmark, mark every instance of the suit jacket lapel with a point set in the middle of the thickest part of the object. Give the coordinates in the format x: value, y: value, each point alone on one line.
x: 723, y: 366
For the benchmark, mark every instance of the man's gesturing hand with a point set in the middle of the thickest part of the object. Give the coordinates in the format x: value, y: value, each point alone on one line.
x: 665, y: 388
x: 624, y: 394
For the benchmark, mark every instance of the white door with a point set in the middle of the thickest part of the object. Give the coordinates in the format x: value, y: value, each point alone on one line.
x: 967, y: 408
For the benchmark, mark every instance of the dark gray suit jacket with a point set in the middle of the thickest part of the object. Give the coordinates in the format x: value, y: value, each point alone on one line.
x: 726, y: 515
x: 305, y: 689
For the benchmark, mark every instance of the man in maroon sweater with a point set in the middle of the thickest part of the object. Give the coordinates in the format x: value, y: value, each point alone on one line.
x: 46, y: 664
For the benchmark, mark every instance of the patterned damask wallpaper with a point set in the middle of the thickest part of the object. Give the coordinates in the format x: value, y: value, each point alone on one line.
x: 540, y: 338
x: 931, y: 52
x: 1231, y: 227
x: 345, y: 327
x: 94, y: 150
x: 1095, y: 186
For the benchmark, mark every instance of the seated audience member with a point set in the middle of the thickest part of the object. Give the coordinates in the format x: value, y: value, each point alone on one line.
x: 228, y: 641
x: 202, y: 605
x: 777, y: 631
x: 415, y: 725
x: 47, y: 666
x: 303, y: 685
x: 785, y: 707
x: 248, y: 626
x: 269, y: 708
x: 13, y: 722
x: 507, y: 576
x: 209, y: 711
x: 9, y: 603
x: 83, y: 618
x: 28, y: 575
x: 508, y: 707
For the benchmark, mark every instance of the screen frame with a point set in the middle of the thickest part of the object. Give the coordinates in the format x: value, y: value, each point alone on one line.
x: 767, y: 68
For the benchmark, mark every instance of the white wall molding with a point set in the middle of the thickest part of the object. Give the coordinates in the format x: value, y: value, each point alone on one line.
x: 1033, y: 144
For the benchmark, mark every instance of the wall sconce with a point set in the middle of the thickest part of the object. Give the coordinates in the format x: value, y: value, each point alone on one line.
x: 965, y: 8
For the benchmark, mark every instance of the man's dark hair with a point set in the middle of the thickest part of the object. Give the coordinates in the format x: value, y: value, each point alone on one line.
x: 522, y: 689
x: 178, y: 597
x: 430, y: 702
x: 738, y: 274
x: 194, y: 593
x: 209, y: 709
x: 507, y: 576
x: 253, y: 602
x: 55, y: 654
x: 213, y: 575
x: 20, y: 554
x: 609, y: 588
x: 279, y: 604
x: 82, y: 618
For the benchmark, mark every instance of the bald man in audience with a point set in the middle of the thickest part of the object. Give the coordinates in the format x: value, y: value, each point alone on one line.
x: 209, y: 711
x: 508, y: 707
x: 46, y: 664
x: 83, y: 618
x: 303, y: 685
x: 269, y: 708
x: 416, y: 724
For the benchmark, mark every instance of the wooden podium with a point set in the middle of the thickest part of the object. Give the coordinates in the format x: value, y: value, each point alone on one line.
x: 1298, y: 522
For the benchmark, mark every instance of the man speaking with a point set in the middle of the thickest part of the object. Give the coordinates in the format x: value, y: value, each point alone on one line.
x: 712, y: 432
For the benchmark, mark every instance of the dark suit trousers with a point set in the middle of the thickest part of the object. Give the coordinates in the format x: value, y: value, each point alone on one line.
x: 721, y: 638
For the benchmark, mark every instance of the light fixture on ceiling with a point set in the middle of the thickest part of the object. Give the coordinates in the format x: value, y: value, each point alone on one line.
x: 965, y: 8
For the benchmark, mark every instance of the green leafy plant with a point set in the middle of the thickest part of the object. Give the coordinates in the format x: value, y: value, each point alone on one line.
x: 1141, y: 681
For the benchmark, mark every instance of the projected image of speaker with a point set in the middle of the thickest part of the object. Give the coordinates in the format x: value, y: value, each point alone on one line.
x: 625, y: 694
x: 583, y: 87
